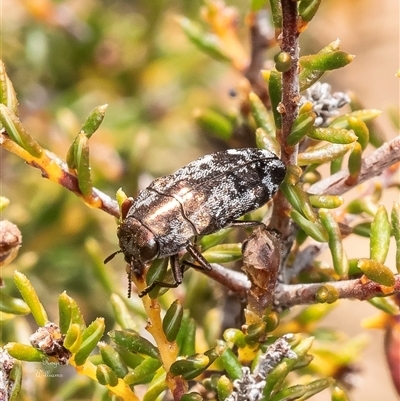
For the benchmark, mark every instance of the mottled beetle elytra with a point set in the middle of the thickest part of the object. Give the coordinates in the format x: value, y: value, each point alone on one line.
x: 200, y: 198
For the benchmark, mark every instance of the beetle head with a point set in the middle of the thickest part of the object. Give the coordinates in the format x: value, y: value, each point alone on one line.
x: 137, y: 243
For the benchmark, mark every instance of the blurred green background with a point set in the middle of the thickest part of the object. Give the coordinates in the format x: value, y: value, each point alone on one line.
x: 66, y: 57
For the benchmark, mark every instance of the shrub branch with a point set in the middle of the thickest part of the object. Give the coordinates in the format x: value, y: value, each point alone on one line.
x: 382, y: 158
x: 290, y: 98
x: 55, y: 169
x: 289, y: 295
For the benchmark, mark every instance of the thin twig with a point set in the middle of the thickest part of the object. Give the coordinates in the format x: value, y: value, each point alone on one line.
x: 235, y: 281
x: 373, y: 165
x: 290, y: 98
x: 290, y: 78
x: 55, y: 169
x: 289, y: 295
x: 280, y: 220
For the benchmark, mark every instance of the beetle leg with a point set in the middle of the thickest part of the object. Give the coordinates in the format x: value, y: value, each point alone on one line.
x: 108, y: 258
x: 177, y: 269
x: 157, y: 283
x: 245, y: 224
x: 198, y: 257
x: 177, y: 273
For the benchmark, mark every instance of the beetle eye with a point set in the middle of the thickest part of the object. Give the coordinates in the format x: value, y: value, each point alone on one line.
x: 137, y: 243
x: 148, y: 250
x: 144, y: 245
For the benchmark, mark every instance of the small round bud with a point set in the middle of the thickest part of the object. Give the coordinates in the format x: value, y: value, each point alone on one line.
x: 283, y: 61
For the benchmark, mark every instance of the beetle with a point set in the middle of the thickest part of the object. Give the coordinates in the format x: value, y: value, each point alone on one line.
x: 200, y: 198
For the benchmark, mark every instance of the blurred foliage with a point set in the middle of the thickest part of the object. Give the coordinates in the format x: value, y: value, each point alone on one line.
x: 165, y: 97
x: 66, y: 58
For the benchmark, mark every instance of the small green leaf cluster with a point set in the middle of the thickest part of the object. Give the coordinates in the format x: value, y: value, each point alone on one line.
x: 127, y: 359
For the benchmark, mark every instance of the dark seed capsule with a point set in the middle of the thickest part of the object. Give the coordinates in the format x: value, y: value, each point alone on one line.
x: 200, y: 198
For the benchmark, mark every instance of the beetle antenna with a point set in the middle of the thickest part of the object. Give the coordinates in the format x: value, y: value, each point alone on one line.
x: 110, y: 257
x: 129, y: 271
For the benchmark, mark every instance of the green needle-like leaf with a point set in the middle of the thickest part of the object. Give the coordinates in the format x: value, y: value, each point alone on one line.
x: 380, y: 235
x: 12, y: 305
x: 90, y: 337
x: 113, y: 359
x: 8, y: 96
x: 83, y: 164
x: 31, y: 298
x: 17, y: 133
x: 133, y: 342
x: 204, y: 41
x: 143, y: 373
x: 172, y: 320
x: 339, y: 258
x: 231, y: 364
